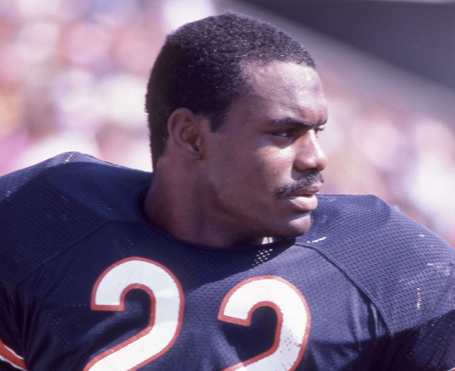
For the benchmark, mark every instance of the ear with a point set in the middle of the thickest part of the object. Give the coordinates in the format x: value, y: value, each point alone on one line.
x: 186, y: 131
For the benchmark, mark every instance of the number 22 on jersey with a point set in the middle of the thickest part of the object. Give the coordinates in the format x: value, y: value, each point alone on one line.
x: 291, y: 334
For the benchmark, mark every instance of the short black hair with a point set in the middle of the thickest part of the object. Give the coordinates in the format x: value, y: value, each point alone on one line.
x: 199, y: 68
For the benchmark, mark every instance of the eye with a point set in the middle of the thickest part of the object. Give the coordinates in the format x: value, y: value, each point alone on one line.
x: 284, y: 134
x: 319, y: 129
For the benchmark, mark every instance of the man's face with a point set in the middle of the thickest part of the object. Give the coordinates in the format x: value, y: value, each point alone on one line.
x: 263, y: 165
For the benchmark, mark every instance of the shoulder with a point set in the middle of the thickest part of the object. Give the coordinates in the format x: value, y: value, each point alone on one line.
x: 47, y: 207
x: 371, y: 220
x: 403, y: 267
x: 50, y: 186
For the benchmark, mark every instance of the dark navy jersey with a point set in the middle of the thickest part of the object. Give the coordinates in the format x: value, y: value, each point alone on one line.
x: 86, y: 284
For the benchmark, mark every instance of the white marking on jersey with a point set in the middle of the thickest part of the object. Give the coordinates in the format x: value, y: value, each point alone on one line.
x: 12, y: 364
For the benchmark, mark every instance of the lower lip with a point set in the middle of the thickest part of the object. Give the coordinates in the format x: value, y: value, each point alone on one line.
x: 304, y: 203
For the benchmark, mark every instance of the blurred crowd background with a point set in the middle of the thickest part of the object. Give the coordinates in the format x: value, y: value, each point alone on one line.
x: 73, y: 77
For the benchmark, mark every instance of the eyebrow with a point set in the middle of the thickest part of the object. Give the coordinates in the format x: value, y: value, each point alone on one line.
x: 289, y: 122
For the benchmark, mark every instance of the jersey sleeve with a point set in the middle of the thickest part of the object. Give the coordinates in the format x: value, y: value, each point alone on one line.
x: 431, y: 346
x: 436, y: 340
x: 407, y: 272
x: 10, y: 352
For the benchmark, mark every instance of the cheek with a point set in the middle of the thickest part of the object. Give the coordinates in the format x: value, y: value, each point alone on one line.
x: 274, y: 164
x: 260, y: 168
x: 238, y: 176
x: 260, y: 175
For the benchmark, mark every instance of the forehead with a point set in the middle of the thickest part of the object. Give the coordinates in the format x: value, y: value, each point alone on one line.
x: 283, y: 89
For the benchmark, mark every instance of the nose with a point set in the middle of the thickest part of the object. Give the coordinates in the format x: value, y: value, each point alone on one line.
x: 309, y: 154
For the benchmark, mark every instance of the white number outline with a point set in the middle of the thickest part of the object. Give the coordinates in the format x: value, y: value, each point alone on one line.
x: 293, y: 315
x: 9, y: 356
x: 229, y: 313
x: 120, y: 305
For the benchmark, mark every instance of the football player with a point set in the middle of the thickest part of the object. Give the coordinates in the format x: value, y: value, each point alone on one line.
x: 226, y: 258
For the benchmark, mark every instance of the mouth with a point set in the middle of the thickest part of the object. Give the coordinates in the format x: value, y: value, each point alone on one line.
x: 302, y: 194
x: 304, y: 199
x: 306, y: 191
x: 304, y: 203
x: 308, y: 184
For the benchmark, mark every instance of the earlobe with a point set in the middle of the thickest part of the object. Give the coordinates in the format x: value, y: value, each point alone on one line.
x: 185, y: 132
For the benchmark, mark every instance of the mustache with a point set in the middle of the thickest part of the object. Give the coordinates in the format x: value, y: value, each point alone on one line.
x: 306, y: 181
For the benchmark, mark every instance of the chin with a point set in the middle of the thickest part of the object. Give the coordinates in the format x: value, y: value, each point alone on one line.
x: 296, y: 227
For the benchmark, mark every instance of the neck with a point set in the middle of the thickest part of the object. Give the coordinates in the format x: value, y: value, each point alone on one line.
x: 183, y: 212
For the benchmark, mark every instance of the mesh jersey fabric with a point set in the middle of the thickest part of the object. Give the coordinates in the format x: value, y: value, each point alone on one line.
x: 379, y: 288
